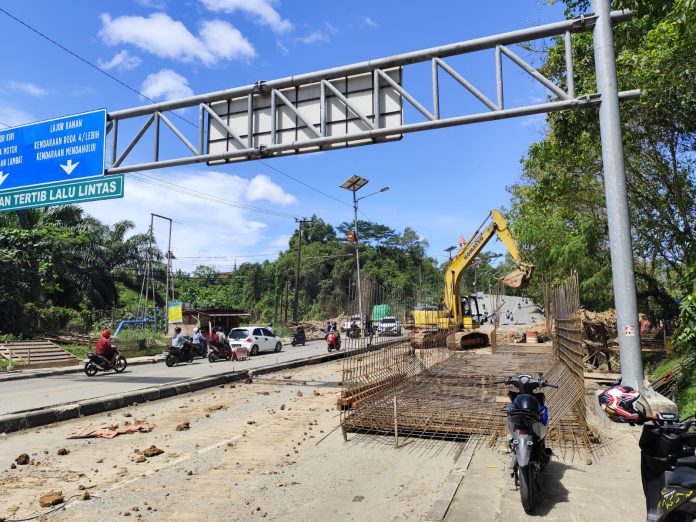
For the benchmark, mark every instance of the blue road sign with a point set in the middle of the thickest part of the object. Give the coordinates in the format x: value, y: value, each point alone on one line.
x: 63, y: 149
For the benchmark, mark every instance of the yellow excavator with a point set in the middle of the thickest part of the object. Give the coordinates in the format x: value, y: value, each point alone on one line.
x: 454, y: 322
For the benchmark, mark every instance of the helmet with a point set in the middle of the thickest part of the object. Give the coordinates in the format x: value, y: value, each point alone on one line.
x: 196, y: 330
x: 177, y: 329
x: 106, y: 333
x: 618, y: 403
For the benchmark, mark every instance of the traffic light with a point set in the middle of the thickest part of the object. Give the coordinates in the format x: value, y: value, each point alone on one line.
x: 350, y: 236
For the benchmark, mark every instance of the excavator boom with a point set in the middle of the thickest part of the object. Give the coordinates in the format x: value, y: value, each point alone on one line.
x: 452, y: 316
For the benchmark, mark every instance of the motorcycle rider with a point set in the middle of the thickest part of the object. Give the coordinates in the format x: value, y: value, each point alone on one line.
x: 198, y: 339
x: 104, y: 347
x: 178, y: 341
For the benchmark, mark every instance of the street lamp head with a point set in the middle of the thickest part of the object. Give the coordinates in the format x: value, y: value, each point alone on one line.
x: 384, y: 189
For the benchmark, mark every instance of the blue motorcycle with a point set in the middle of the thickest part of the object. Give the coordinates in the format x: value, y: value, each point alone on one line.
x: 527, y: 420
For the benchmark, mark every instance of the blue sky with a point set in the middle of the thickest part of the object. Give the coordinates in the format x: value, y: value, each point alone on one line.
x: 442, y: 182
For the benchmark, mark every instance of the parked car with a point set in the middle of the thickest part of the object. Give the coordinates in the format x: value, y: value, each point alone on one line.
x: 349, y: 322
x: 389, y: 325
x: 254, y: 338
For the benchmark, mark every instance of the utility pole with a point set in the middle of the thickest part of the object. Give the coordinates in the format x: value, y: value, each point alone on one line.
x: 617, y: 199
x: 300, y: 222
x: 169, y: 268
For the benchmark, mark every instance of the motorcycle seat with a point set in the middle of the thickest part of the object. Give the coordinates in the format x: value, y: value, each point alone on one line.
x: 683, y: 476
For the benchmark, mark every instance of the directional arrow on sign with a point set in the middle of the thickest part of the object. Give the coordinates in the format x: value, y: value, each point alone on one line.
x: 3, y: 177
x: 70, y: 166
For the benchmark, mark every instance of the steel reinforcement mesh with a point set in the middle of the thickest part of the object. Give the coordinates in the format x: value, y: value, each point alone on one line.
x: 433, y: 392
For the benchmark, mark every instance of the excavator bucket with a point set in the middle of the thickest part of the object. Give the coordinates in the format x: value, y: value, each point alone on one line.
x: 517, y: 279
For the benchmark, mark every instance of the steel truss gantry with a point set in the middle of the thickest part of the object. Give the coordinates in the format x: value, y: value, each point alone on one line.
x: 313, y: 131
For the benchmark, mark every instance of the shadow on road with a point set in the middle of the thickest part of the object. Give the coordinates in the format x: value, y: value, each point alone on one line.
x: 551, y: 490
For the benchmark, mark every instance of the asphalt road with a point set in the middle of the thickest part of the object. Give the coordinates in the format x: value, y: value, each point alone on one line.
x: 30, y: 394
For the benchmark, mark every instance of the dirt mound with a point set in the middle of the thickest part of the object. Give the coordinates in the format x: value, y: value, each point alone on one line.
x: 606, y: 319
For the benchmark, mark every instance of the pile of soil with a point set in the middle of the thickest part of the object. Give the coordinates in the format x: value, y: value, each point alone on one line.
x: 606, y: 319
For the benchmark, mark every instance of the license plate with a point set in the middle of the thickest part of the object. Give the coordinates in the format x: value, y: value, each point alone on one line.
x: 236, y: 345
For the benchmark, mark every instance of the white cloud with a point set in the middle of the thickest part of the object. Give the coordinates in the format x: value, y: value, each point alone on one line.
x: 201, y: 228
x: 283, y: 50
x: 122, y: 61
x: 226, y: 41
x: 162, y: 36
x: 11, y: 116
x: 369, y: 22
x: 167, y: 85
x: 26, y: 88
x: 315, y: 36
x: 153, y: 4
x: 262, y: 188
x: 262, y: 11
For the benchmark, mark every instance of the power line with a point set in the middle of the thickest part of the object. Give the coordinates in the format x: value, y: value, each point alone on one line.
x: 75, y: 55
x: 204, y: 196
x: 302, y: 183
x: 136, y: 91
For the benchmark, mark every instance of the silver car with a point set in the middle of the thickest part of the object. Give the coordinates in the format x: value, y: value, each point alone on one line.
x: 389, y: 325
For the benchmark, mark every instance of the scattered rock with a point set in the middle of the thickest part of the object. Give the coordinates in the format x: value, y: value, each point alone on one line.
x: 51, y: 499
x: 86, y: 495
x: 81, y: 487
x: 183, y: 426
x: 127, y: 414
x: 299, y: 393
x: 23, y: 459
x: 152, y: 451
x: 358, y: 498
x: 216, y: 407
x: 282, y: 406
x: 136, y: 509
x: 63, y: 451
x: 140, y: 459
x: 189, y: 473
x: 251, y: 422
x: 100, y: 461
x: 127, y: 514
x: 287, y: 376
x: 248, y: 380
x: 13, y: 466
x: 263, y: 393
x: 233, y: 385
x: 316, y: 393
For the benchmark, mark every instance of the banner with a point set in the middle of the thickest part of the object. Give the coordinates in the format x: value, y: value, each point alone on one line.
x: 175, y: 312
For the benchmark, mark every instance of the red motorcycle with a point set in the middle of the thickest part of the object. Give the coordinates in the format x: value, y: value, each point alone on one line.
x: 333, y: 341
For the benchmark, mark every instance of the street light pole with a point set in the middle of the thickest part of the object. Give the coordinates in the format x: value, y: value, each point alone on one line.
x: 357, y: 257
x: 355, y: 183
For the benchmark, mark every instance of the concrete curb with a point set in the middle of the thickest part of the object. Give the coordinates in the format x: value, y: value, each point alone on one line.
x: 66, y: 411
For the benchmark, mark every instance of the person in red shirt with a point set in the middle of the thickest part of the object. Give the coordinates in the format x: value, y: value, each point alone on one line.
x: 104, y: 347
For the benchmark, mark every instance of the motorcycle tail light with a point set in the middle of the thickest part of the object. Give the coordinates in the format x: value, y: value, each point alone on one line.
x: 522, y: 431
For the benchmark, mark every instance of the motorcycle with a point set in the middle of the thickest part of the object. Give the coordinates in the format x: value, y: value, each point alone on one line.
x: 298, y: 337
x: 200, y: 350
x: 96, y: 363
x: 333, y: 342
x: 527, y: 419
x: 353, y: 331
x: 219, y: 351
x: 667, y: 461
x: 174, y: 356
